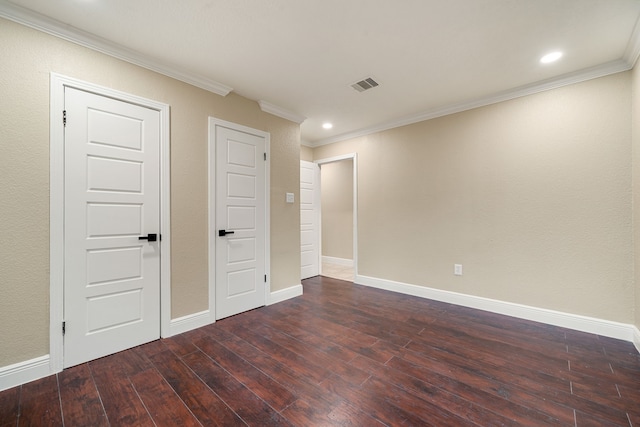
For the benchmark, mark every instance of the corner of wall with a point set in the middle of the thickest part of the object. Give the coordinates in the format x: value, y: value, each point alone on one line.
x: 635, y: 166
x: 285, y: 294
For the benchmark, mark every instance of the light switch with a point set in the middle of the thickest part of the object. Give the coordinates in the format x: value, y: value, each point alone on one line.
x: 290, y: 198
x: 457, y: 269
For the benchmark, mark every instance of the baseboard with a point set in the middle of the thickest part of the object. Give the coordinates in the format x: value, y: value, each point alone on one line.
x: 566, y: 320
x: 204, y: 318
x: 636, y: 338
x: 337, y: 261
x: 285, y: 294
x: 24, y: 372
x: 189, y: 322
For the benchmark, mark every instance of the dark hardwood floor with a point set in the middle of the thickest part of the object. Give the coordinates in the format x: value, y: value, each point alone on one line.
x: 344, y: 354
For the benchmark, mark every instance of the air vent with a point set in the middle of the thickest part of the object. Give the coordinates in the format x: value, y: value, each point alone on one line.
x: 365, y: 84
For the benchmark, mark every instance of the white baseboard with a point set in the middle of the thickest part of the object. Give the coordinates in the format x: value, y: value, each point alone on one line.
x: 204, y: 318
x: 285, y: 294
x: 31, y: 370
x: 40, y: 367
x: 24, y: 372
x: 566, y: 320
x: 189, y: 322
x: 337, y: 261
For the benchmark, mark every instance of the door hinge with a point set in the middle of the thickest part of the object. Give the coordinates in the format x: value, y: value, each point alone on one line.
x: 64, y: 327
x: 265, y: 156
x: 64, y: 117
x: 265, y: 278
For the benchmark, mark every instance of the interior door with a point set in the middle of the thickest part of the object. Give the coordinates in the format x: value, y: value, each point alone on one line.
x: 309, y: 219
x: 240, y: 221
x: 112, y: 200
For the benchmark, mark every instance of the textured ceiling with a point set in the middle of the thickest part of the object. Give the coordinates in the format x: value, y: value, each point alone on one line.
x: 303, y: 55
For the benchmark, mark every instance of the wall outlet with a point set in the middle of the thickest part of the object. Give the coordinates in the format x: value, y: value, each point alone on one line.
x: 457, y: 269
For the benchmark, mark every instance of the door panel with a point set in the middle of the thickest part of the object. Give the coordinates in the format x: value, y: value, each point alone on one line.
x: 99, y: 264
x: 114, y: 175
x: 105, y: 220
x: 309, y: 219
x: 115, y: 130
x: 241, y: 186
x: 240, y: 208
x: 112, y: 184
x: 103, y: 316
x: 241, y: 218
x: 241, y: 250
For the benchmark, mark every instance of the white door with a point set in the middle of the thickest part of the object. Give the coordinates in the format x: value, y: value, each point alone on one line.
x: 240, y: 221
x: 112, y: 198
x: 309, y: 219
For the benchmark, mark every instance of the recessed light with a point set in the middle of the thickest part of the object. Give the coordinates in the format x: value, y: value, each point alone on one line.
x: 327, y: 125
x: 551, y: 57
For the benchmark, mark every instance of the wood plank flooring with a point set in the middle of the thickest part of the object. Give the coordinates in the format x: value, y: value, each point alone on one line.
x: 344, y: 354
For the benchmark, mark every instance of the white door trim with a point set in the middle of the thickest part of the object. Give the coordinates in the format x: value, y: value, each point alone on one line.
x: 354, y: 157
x: 213, y: 123
x: 56, y: 207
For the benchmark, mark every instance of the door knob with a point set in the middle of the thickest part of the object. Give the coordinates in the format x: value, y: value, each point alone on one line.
x: 150, y: 237
x: 223, y: 233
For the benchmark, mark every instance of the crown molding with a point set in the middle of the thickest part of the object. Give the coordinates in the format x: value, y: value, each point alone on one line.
x: 632, y: 52
x: 306, y: 143
x: 58, y: 29
x: 281, y: 112
x: 555, y: 83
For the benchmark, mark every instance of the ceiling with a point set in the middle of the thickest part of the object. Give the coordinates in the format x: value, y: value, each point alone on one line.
x: 300, y: 57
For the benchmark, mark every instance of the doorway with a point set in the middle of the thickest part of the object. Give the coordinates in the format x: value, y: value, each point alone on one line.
x: 310, y: 262
x: 238, y: 218
x: 110, y: 234
x: 335, y: 196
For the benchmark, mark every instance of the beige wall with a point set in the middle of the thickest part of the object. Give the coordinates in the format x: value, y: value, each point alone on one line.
x: 636, y: 185
x: 28, y: 58
x: 532, y: 196
x: 306, y: 153
x: 336, y: 185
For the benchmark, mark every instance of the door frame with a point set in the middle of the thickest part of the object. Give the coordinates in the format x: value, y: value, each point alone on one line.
x: 213, y: 124
x: 320, y: 162
x: 58, y: 83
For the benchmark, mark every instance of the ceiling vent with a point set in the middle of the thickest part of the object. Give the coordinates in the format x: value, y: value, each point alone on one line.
x: 365, y: 84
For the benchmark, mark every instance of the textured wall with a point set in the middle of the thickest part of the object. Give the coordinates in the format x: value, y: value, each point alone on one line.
x: 28, y: 58
x: 24, y: 203
x: 532, y: 196
x: 306, y: 153
x: 285, y: 217
x: 336, y: 184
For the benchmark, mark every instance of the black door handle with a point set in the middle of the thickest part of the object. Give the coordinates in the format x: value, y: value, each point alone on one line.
x: 223, y: 233
x: 150, y: 237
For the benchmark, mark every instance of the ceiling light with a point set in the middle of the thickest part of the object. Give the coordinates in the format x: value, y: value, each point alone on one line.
x: 327, y: 125
x: 551, y: 57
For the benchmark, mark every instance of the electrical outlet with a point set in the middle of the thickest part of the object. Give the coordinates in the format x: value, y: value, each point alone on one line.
x: 457, y: 269
x: 290, y: 198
